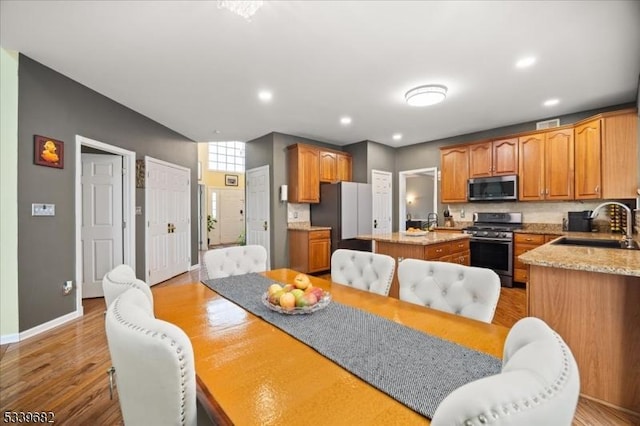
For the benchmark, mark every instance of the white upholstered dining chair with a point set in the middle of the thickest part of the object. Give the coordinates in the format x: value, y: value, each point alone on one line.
x: 120, y: 279
x: 154, y: 361
x: 363, y: 270
x: 235, y: 260
x: 464, y: 290
x: 538, y: 385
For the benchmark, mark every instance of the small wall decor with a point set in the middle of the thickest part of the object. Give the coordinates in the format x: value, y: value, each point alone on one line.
x: 139, y: 173
x: 231, y: 180
x: 48, y: 152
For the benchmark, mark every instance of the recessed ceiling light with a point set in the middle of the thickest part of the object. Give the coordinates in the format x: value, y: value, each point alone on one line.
x: 526, y: 62
x: 551, y: 102
x: 426, y: 95
x: 397, y: 136
x: 345, y: 121
x: 265, y: 96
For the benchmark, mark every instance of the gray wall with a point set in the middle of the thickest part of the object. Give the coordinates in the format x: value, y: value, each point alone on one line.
x: 55, y: 106
x: 359, y: 154
x: 421, y: 187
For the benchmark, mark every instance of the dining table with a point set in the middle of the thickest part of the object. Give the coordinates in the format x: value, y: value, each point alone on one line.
x: 250, y: 372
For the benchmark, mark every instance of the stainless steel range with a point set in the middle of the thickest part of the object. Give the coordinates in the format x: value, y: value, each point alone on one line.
x: 492, y: 243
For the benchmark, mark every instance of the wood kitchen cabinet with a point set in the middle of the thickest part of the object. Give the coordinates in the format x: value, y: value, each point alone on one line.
x: 328, y: 166
x: 495, y: 158
x: 588, y: 180
x: 456, y: 251
x: 522, y: 244
x: 546, y: 166
x: 345, y: 167
x: 304, y: 174
x: 309, y: 250
x: 454, y: 164
x: 606, y: 156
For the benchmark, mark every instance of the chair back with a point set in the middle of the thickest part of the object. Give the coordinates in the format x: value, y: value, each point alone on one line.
x: 539, y: 384
x: 120, y: 279
x: 363, y: 270
x: 155, y: 372
x: 464, y: 290
x: 236, y: 260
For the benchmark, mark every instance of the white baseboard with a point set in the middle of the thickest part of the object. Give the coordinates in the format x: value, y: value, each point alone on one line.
x: 50, y: 324
x: 9, y: 338
x: 195, y: 267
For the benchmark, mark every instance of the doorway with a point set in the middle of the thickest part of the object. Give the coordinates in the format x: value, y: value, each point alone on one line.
x: 258, y: 205
x: 382, y: 201
x: 417, y: 195
x: 124, y: 203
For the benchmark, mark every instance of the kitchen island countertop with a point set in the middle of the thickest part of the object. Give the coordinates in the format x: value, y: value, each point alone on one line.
x: 433, y: 237
x: 593, y: 259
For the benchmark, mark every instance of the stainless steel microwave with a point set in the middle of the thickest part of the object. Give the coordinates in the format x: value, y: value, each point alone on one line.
x: 496, y: 188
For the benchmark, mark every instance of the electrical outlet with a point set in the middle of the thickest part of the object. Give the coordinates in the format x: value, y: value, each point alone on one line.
x: 67, y: 287
x: 462, y: 213
x: 39, y: 209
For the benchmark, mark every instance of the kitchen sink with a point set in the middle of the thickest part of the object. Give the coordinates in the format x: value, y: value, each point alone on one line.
x: 590, y: 242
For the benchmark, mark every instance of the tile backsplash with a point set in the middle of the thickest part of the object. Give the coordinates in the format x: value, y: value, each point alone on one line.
x: 297, y: 213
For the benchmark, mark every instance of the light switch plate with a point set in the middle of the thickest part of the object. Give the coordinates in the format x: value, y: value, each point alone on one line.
x: 39, y: 209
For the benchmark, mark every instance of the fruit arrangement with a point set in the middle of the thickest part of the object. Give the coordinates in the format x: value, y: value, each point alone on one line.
x: 299, y: 297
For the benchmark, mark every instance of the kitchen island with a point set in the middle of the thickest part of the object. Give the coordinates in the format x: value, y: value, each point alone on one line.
x: 441, y: 246
x: 591, y: 297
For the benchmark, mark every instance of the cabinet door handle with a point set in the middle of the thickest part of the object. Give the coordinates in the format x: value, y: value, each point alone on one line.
x: 547, y: 191
x: 597, y: 188
x: 400, y: 259
x: 528, y: 239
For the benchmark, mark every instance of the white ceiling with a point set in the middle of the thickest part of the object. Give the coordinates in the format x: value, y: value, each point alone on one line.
x: 197, y: 69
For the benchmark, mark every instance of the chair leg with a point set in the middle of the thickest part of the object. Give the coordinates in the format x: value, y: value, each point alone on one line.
x: 110, y: 372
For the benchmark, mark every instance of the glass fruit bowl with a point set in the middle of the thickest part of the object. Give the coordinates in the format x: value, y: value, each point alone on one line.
x: 322, y: 303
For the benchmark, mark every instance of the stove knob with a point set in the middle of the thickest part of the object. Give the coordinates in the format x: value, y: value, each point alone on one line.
x: 501, y: 235
x: 485, y: 233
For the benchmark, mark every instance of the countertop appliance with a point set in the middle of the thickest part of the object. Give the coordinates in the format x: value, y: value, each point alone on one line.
x: 495, y: 188
x: 492, y: 243
x: 579, y: 221
x: 346, y: 208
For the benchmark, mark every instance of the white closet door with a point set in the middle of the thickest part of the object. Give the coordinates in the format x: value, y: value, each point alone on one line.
x: 168, y: 203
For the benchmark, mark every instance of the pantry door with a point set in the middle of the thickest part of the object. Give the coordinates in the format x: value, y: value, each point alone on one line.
x: 168, y: 236
x: 382, y: 201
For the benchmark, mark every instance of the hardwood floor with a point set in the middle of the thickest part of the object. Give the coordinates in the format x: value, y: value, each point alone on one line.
x: 64, y: 370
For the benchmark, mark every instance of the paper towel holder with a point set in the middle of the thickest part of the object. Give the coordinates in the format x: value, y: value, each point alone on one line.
x: 283, y: 192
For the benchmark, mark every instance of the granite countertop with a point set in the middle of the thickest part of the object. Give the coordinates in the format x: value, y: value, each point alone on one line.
x: 305, y: 226
x: 593, y: 259
x: 432, y: 237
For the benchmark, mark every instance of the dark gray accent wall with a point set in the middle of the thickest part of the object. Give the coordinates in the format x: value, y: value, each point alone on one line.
x: 359, y: 170
x: 55, y: 106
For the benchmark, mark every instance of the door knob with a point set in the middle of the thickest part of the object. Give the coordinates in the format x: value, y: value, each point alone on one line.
x: 265, y: 225
x: 375, y: 223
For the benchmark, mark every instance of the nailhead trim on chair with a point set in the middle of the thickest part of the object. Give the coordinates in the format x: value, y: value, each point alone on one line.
x: 533, y: 401
x: 163, y: 337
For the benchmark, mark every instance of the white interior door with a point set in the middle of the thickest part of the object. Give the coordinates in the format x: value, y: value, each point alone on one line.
x: 231, y: 214
x: 382, y: 201
x: 101, y: 231
x: 258, y: 218
x: 168, y: 203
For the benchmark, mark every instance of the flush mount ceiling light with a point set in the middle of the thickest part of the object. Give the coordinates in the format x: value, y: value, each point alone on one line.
x: 426, y: 95
x: 246, y: 9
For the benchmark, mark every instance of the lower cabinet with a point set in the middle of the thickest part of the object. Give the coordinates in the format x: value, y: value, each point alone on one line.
x: 522, y: 244
x: 309, y: 250
x: 453, y: 251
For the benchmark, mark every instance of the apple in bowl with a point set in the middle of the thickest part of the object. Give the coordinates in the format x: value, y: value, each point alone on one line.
x: 301, y: 281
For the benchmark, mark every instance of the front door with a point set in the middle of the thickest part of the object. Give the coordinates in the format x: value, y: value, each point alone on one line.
x: 168, y: 210
x: 382, y: 201
x: 258, y: 218
x: 101, y: 230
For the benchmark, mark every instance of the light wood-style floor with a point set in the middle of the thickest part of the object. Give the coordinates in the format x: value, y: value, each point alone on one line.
x: 64, y: 370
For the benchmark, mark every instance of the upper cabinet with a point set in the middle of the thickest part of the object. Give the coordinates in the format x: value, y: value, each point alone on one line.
x: 607, y: 156
x: 454, y: 163
x: 588, y: 170
x: 304, y: 174
x: 309, y: 165
x: 545, y: 168
x: 496, y: 158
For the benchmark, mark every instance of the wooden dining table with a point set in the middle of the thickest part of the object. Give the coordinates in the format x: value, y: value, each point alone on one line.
x: 249, y: 372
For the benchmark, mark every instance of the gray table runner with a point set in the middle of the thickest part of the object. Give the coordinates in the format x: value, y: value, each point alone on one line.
x: 412, y: 367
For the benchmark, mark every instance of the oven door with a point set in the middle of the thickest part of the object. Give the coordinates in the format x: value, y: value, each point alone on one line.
x: 493, y: 254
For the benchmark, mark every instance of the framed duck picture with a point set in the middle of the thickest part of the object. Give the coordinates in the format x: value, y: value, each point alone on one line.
x: 48, y: 152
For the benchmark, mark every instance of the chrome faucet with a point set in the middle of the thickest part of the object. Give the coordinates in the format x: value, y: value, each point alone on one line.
x: 627, y: 241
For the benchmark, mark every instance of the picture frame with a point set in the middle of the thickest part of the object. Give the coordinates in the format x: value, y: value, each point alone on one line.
x: 48, y: 152
x: 231, y: 180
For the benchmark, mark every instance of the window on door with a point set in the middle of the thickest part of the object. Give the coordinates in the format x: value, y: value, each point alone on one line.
x: 214, y: 205
x: 226, y: 156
